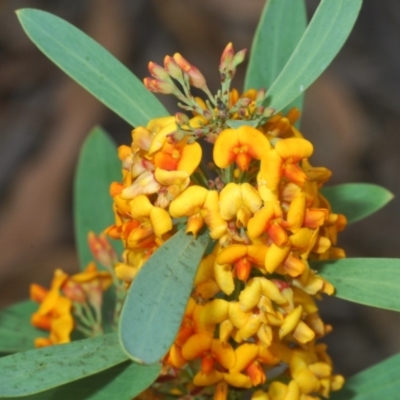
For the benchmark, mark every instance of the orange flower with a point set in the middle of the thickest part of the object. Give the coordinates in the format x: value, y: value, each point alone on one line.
x: 241, y: 146
x: 54, y: 313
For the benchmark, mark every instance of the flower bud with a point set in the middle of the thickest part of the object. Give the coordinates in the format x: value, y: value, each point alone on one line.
x: 226, y: 58
x: 181, y: 118
x: 196, y: 78
x: 182, y: 62
x: 157, y: 86
x: 268, y: 112
x: 260, y: 96
x: 158, y: 72
x: 239, y: 57
x: 243, y: 102
x: 173, y: 68
x: 102, y: 250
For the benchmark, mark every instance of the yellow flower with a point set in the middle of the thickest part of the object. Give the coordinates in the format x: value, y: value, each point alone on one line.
x: 149, y: 221
x: 240, y: 202
x: 200, y: 206
x: 269, y: 220
x: 242, y: 258
x: 282, y: 161
x: 210, y: 350
x: 240, y: 146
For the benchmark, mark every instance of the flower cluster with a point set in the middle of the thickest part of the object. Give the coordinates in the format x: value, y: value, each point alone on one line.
x: 252, y: 320
x: 74, y: 302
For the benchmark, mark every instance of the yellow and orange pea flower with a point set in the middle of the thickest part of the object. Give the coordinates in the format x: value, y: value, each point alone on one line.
x: 55, y: 312
x: 241, y: 146
x: 266, y: 223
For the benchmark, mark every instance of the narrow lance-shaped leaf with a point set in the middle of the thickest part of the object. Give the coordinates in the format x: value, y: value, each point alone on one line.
x: 322, y: 40
x: 382, y: 381
x: 122, y: 382
x: 370, y: 281
x: 98, y: 166
x: 16, y: 331
x: 357, y: 200
x: 274, y: 42
x: 157, y: 298
x: 38, y: 370
x: 92, y: 66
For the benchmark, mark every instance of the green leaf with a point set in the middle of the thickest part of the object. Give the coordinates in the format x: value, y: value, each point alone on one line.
x: 382, y: 381
x: 38, y: 370
x: 92, y: 66
x: 98, y: 166
x: 276, y: 37
x: 357, y: 200
x: 16, y: 332
x: 157, y: 298
x: 370, y: 281
x: 122, y: 382
x: 322, y: 40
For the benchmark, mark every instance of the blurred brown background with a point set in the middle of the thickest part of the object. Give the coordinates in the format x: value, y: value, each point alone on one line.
x: 352, y: 115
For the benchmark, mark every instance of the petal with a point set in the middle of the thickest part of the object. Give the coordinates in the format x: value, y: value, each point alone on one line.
x: 140, y: 207
x: 294, y: 148
x: 230, y: 201
x: 315, y: 217
x: 142, y: 138
x: 225, y: 330
x: 237, y: 316
x: 246, y: 353
x: 190, y: 158
x: 223, y: 353
x: 196, y: 346
x: 303, y: 333
x: 188, y: 202
x: 271, y: 291
x: 271, y: 169
x: 205, y: 270
x: 212, y: 378
x: 321, y: 369
x: 277, y: 234
x: 256, y: 253
x: 126, y: 272
x: 237, y: 379
x: 223, y: 153
x: 160, y: 221
x: 224, y: 278
x: 206, y: 290
x: 261, y: 220
x: 145, y: 183
x: 37, y: 292
x: 250, y: 296
x: 275, y: 257
x: 305, y: 300
x: 231, y: 254
x: 291, y: 321
x: 251, y: 198
x: 214, y: 312
x: 307, y: 381
x: 296, y: 212
x: 212, y: 217
x: 167, y: 178
x: 161, y: 136
x: 294, y: 266
x: 322, y: 244
x: 175, y: 357
x: 256, y: 142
